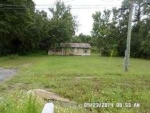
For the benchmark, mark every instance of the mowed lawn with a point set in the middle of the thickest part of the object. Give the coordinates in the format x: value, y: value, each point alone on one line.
x: 82, y: 79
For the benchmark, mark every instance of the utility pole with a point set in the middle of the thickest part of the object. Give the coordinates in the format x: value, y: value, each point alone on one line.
x: 127, y: 51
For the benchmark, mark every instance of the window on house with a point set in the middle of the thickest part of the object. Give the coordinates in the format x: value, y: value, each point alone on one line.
x: 85, y: 50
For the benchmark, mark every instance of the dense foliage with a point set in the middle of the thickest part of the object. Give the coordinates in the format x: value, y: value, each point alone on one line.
x: 110, y: 29
x: 24, y: 29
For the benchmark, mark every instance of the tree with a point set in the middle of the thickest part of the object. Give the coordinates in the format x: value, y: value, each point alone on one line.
x: 103, y: 30
x: 14, y: 19
x: 111, y: 33
x: 62, y: 24
x: 23, y: 30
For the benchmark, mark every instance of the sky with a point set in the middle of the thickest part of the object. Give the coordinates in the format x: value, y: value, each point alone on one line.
x: 84, y: 12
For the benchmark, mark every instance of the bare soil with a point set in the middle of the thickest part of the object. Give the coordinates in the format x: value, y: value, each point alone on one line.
x: 7, y: 73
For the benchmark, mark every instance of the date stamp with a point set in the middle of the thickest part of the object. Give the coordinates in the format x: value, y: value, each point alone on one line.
x: 108, y: 105
x: 97, y: 105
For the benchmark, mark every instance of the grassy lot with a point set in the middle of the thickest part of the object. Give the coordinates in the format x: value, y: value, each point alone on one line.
x: 81, y: 79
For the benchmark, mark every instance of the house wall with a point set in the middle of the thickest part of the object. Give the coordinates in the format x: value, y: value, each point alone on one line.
x: 50, y: 52
x: 86, y: 51
x: 75, y: 51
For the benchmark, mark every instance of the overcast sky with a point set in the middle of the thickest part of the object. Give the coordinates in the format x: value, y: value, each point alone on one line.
x: 83, y: 13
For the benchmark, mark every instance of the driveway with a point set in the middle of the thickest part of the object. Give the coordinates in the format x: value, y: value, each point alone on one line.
x: 7, y: 73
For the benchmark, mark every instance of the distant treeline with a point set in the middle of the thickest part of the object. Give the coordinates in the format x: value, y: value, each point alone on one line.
x: 110, y: 28
x: 25, y: 30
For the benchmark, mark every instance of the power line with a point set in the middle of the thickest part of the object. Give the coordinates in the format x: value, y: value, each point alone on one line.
x: 81, y: 8
x: 20, y: 7
x: 48, y: 8
x: 10, y: 8
x: 14, y: 7
x: 8, y: 5
x: 79, y: 5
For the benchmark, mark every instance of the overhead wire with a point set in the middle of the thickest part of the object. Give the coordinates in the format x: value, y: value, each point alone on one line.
x: 75, y: 5
x: 46, y: 6
x: 16, y: 7
x: 89, y: 7
x: 78, y: 6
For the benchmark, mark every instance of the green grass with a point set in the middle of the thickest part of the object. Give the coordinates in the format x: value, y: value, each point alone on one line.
x: 81, y: 79
x: 17, y: 102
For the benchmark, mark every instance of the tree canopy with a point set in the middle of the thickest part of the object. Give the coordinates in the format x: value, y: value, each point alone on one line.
x: 111, y: 33
x: 24, y: 29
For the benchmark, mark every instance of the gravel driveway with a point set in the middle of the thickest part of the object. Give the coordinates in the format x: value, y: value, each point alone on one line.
x: 7, y: 73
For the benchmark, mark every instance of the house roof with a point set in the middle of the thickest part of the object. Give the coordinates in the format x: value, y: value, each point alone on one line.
x: 75, y: 45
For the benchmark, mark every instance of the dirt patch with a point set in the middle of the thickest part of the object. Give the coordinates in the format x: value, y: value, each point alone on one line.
x: 47, y: 95
x: 7, y: 73
x: 85, y: 77
x: 26, y: 65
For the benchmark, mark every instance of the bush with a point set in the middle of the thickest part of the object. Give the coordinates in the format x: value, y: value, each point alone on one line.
x: 109, y: 50
x: 145, y: 49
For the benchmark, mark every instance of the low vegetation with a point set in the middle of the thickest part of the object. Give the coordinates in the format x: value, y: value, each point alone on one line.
x: 81, y: 79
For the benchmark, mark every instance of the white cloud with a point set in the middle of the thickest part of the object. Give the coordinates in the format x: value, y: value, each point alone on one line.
x: 84, y: 16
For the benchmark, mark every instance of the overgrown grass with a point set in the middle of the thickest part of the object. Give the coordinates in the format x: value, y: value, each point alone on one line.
x: 20, y: 103
x: 82, y: 79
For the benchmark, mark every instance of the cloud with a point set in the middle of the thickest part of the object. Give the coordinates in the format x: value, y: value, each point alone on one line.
x: 84, y: 12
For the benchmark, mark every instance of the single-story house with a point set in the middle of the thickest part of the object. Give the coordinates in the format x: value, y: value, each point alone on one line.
x: 75, y: 49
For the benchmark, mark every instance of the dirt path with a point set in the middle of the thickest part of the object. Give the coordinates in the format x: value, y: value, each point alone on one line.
x: 7, y: 73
